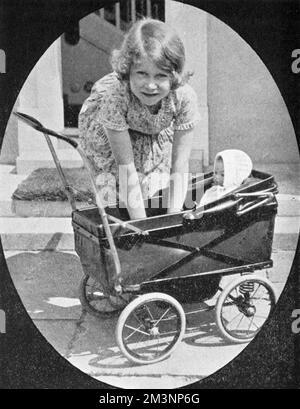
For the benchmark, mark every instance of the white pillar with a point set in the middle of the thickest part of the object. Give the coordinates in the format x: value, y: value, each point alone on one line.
x: 41, y: 97
x: 191, y: 25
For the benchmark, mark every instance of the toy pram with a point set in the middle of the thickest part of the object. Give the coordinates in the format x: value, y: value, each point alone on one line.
x: 146, y: 268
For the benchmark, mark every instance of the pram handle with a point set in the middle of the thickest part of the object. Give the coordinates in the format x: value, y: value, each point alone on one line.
x: 263, y: 193
x: 266, y: 195
x: 34, y: 123
x: 248, y: 208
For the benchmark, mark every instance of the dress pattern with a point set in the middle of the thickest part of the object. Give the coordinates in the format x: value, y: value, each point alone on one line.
x: 112, y: 105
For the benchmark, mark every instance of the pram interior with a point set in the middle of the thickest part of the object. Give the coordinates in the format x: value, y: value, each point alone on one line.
x: 177, y: 253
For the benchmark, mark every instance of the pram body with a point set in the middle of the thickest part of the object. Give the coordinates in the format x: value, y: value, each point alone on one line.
x: 177, y: 250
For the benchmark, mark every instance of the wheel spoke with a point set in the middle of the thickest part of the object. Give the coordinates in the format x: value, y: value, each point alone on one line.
x: 158, y: 321
x: 251, y: 321
x: 134, y: 331
x: 255, y: 306
x: 240, y: 320
x: 145, y: 332
x: 94, y: 298
x: 149, y: 312
x: 253, y: 295
x: 229, y: 322
x: 137, y: 318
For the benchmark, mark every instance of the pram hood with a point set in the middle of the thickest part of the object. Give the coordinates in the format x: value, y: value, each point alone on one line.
x: 237, y: 168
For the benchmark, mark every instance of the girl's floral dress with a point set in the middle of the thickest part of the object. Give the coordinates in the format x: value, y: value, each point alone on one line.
x: 113, y: 105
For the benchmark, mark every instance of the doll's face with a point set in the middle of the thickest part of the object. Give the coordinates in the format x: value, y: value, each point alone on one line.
x: 219, y: 172
x: 148, y: 82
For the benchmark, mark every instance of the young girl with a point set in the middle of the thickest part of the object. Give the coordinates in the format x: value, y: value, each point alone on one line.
x: 231, y: 168
x: 137, y: 125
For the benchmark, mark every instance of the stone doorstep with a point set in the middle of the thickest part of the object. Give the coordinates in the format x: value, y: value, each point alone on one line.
x: 32, y: 208
x: 288, y: 205
x: 28, y: 162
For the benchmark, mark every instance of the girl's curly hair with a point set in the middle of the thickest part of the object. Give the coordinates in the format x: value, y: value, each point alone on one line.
x: 156, y: 40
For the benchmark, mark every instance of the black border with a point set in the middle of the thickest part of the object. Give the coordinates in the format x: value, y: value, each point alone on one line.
x: 27, y: 28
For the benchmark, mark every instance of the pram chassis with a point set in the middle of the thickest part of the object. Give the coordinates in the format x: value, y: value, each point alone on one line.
x: 181, y: 258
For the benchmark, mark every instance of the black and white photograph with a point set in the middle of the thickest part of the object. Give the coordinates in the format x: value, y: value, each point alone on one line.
x: 149, y: 195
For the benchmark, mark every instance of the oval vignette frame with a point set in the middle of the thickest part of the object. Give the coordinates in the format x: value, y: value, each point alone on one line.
x: 250, y: 347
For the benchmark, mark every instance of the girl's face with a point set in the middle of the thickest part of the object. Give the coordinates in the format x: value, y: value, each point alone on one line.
x: 148, y: 82
x: 219, y: 173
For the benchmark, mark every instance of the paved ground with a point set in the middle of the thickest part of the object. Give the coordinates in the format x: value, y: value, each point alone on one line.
x: 46, y: 273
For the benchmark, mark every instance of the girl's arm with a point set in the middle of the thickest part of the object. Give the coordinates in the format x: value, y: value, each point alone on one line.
x: 130, y: 189
x: 179, y: 177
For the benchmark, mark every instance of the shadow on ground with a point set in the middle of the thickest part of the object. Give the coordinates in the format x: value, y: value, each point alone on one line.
x: 48, y: 281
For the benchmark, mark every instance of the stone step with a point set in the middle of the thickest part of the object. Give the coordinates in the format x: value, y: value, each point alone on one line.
x: 287, y: 176
x: 288, y: 206
x: 32, y: 208
x: 56, y: 233
x: 68, y: 158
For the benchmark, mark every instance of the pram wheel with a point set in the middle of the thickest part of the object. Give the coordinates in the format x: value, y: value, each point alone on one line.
x: 96, y: 301
x: 244, y: 306
x: 146, y: 332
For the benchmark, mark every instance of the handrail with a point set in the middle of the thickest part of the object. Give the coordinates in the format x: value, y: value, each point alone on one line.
x: 266, y: 196
x: 200, y: 211
x: 34, y: 123
x: 263, y: 193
